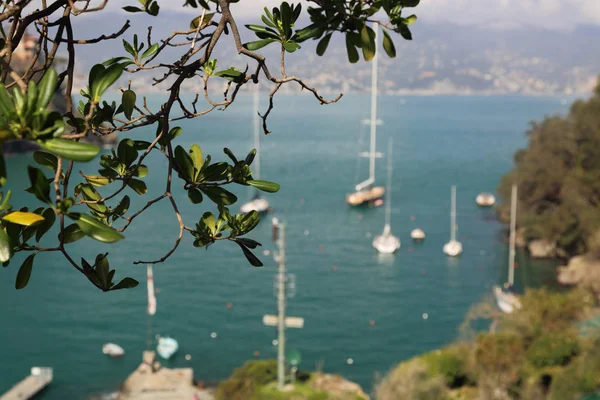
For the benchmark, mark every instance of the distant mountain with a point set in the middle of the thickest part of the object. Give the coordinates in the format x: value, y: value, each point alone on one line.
x: 442, y: 59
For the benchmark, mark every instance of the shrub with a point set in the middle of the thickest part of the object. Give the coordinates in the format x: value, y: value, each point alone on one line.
x: 553, y: 349
x: 451, y: 363
x: 411, y: 381
x: 247, y: 380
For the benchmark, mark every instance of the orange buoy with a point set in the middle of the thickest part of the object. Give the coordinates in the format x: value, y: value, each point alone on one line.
x: 321, y: 248
x: 423, y: 271
x: 372, y: 322
x: 229, y: 305
x: 334, y: 268
x: 516, y: 265
x: 256, y: 353
x: 301, y: 201
x: 410, y: 249
x: 412, y: 218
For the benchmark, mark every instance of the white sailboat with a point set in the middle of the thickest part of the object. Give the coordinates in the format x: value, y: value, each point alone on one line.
x: 387, y: 243
x: 365, y: 193
x: 506, y: 300
x: 258, y: 203
x: 453, y: 248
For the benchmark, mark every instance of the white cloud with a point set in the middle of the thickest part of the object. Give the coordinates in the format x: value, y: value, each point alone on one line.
x: 542, y: 13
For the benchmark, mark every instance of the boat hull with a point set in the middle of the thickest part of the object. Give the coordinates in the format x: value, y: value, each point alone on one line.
x: 453, y: 248
x: 417, y: 235
x: 386, y: 244
x: 259, y: 205
x: 507, y: 302
x: 113, y: 350
x: 365, y: 197
x: 167, y: 347
x: 485, y: 200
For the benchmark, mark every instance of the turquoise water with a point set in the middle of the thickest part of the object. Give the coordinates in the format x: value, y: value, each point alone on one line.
x: 61, y: 321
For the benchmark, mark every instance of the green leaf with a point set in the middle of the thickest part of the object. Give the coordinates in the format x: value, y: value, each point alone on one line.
x: 132, y: 9
x: 2, y: 170
x: 49, y: 219
x: 231, y: 74
x: 388, y: 44
x: 410, y: 20
x: 73, y: 233
x: 6, y: 104
x: 251, y: 244
x: 352, y: 52
x: 96, y: 229
x: 126, y: 152
x: 46, y: 159
x: 126, y: 283
x: 249, y: 256
x: 185, y: 164
x: 205, y: 21
x: 103, y: 79
x: 24, y: 272
x: 129, y: 48
x: 96, y: 180
x: 39, y: 184
x: 128, y: 102
x: 150, y: 51
x: 265, y: 186
x: 195, y: 195
x: 219, y: 195
x: 258, y: 44
x: 405, y: 32
x: 46, y: 88
x: 140, y: 171
x: 123, y: 206
x: 367, y: 38
x: 216, y: 172
x: 23, y: 218
x: 323, y: 43
x: 138, y: 186
x: 74, y: 151
x: 197, y: 160
x: 6, y: 250
x: 409, y: 3
x: 291, y: 47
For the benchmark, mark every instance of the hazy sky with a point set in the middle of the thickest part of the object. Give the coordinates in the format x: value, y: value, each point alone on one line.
x: 545, y: 13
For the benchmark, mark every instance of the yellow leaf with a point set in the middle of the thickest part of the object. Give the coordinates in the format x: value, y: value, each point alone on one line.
x: 23, y: 218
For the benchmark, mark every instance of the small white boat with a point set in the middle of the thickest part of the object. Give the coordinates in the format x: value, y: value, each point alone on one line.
x: 453, y: 248
x: 387, y: 243
x: 167, y: 347
x: 485, y: 200
x: 506, y: 300
x: 417, y: 235
x: 113, y: 350
x: 365, y: 194
x: 258, y: 203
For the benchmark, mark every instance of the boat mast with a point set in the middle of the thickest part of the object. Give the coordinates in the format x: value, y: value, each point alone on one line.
x: 453, y: 216
x: 281, y: 295
x: 373, y: 111
x: 513, y: 225
x: 388, y: 203
x: 256, y: 169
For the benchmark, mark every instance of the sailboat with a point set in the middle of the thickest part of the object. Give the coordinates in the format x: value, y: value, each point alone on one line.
x: 365, y: 193
x: 506, y: 300
x: 453, y: 248
x: 387, y: 243
x: 258, y: 203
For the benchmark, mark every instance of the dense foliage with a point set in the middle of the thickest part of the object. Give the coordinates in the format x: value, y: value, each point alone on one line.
x: 256, y: 380
x: 536, y: 353
x: 558, y: 177
x: 97, y: 206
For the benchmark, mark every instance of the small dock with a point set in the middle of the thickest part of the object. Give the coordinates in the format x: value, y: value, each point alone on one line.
x: 40, y: 378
